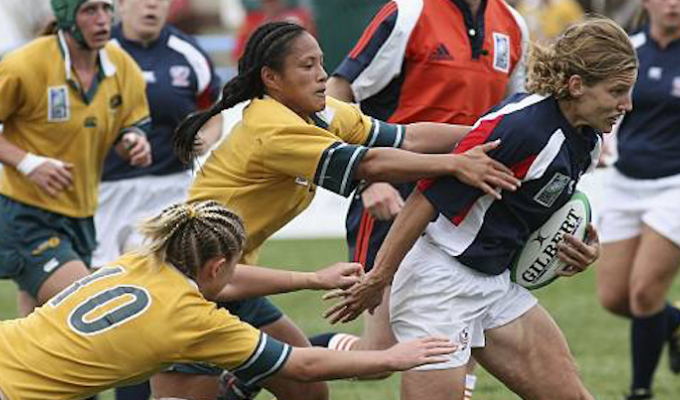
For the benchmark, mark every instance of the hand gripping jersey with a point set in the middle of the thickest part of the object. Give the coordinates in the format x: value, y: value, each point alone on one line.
x: 649, y: 136
x: 46, y: 112
x: 268, y: 168
x: 543, y: 150
x: 430, y: 60
x: 127, y: 321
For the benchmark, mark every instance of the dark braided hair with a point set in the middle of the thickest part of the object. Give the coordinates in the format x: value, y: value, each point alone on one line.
x: 187, y: 235
x: 266, y: 47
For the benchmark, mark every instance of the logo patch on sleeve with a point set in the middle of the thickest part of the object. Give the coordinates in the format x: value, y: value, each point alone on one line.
x: 552, y: 190
x: 501, y: 52
x: 58, y: 105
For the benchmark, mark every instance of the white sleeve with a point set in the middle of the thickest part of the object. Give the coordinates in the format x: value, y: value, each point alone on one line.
x: 387, y: 62
x: 518, y: 77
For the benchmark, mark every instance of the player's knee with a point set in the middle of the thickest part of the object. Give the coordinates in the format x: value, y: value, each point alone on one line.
x: 645, y: 302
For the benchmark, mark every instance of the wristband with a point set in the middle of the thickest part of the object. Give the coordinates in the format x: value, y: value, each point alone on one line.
x: 30, y: 162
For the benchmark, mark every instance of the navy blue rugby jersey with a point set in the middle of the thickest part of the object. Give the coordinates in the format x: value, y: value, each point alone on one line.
x: 180, y: 79
x: 649, y: 136
x: 543, y: 150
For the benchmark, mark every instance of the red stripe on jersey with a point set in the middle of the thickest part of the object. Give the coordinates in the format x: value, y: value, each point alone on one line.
x: 521, y: 168
x: 461, y: 215
x: 204, y: 100
x: 389, y: 9
x: 479, y: 135
x: 364, y: 237
x: 476, y: 137
x: 425, y: 184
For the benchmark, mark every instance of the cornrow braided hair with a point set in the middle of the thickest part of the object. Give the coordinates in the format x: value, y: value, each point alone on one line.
x: 266, y: 47
x: 187, y: 235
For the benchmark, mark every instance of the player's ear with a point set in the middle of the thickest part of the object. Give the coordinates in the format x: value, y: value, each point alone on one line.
x: 212, y: 267
x: 575, y: 85
x: 270, y: 79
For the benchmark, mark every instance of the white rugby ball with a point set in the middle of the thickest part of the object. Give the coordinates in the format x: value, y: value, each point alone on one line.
x: 537, y: 264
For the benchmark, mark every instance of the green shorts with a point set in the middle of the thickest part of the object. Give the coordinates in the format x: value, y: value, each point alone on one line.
x: 258, y: 312
x: 34, y: 243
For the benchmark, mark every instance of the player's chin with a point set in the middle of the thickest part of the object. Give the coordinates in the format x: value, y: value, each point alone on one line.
x: 98, y: 44
x: 319, y: 103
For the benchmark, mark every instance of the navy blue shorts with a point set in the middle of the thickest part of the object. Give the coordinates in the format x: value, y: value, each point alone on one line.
x: 365, y: 234
x: 35, y: 242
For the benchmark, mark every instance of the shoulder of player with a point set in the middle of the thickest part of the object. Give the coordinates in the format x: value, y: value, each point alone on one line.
x: 184, y: 44
x: 523, y: 121
x: 33, y: 54
x: 508, y: 19
x: 337, y: 109
x: 120, y: 58
x: 267, y: 116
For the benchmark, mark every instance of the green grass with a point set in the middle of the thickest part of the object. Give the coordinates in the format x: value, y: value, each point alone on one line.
x: 598, y: 340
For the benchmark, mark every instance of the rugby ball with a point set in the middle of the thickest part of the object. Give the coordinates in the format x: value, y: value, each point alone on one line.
x: 537, y: 263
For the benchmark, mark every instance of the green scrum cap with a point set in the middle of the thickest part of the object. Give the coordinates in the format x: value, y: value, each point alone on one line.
x: 65, y: 14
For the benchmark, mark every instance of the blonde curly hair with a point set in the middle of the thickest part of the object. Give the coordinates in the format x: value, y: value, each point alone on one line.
x: 595, y: 49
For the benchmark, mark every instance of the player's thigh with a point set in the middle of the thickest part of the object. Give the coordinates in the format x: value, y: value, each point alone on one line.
x: 442, y: 384
x: 655, y: 265
x: 520, y: 353
x: 377, y: 333
x: 184, y: 386
x: 613, y: 270
x: 64, y: 276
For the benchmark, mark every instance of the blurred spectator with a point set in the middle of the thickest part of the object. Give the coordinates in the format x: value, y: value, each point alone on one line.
x: 232, y: 14
x: 20, y: 21
x: 548, y: 18
x: 268, y: 11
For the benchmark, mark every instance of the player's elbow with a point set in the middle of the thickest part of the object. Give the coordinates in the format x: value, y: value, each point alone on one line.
x: 373, y: 167
x: 340, y: 89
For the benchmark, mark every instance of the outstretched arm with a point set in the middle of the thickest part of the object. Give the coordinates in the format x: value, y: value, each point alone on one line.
x: 405, y: 230
x: 433, y: 137
x: 251, y: 281
x: 473, y: 167
x: 315, y: 364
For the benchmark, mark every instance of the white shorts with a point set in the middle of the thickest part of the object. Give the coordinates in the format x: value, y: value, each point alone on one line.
x: 433, y: 294
x: 628, y: 203
x: 123, y: 203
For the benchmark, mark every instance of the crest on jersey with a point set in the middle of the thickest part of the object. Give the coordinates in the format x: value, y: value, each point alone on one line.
x: 552, y: 190
x: 58, y: 106
x: 180, y: 76
x: 675, y: 89
x: 501, y: 52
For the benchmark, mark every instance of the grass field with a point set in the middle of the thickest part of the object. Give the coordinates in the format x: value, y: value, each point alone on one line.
x: 598, y: 340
